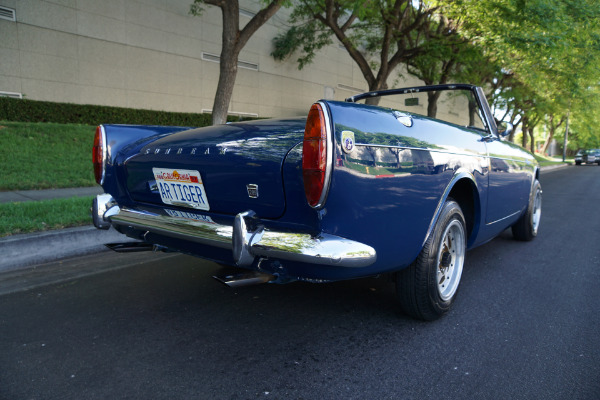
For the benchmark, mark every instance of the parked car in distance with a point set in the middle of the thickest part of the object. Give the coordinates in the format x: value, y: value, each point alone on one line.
x: 590, y: 156
x: 403, y: 186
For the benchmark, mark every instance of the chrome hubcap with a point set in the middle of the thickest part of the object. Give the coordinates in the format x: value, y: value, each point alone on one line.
x: 450, y: 259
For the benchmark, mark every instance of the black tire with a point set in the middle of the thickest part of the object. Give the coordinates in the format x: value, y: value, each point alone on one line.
x: 577, y: 162
x: 420, y: 287
x: 527, y: 226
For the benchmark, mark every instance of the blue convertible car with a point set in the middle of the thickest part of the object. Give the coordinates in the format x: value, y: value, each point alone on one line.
x: 403, y: 184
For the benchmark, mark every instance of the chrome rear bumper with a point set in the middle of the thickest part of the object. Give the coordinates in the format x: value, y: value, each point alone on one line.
x: 247, y: 238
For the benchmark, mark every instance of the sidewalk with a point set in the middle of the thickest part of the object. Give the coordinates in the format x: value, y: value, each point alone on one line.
x: 47, y: 194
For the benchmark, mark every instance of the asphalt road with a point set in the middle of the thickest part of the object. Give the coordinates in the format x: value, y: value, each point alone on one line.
x: 525, y: 325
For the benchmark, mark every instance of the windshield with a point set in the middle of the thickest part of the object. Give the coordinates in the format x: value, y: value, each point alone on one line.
x: 457, y: 106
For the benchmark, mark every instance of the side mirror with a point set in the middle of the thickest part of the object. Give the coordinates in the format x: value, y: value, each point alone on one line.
x: 505, y: 128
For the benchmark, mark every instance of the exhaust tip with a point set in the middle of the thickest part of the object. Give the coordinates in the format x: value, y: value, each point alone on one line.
x: 130, y: 247
x: 245, y: 279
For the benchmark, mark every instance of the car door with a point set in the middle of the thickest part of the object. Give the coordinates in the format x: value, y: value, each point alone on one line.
x: 510, y: 177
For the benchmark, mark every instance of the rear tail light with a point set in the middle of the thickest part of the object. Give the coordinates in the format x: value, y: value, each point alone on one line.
x: 99, y: 154
x: 316, y: 156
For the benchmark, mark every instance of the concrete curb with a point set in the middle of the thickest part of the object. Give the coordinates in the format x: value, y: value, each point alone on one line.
x: 551, y: 168
x: 21, y: 251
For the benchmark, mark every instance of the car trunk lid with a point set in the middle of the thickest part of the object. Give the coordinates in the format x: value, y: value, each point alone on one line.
x: 225, y: 169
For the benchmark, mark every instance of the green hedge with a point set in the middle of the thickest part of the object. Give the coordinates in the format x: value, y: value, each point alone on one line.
x: 22, y: 110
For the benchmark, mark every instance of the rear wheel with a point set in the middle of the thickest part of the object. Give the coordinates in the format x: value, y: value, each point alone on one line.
x: 526, y: 228
x: 427, y: 288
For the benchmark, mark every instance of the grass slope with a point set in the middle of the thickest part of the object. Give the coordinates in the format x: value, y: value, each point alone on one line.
x: 44, y: 155
x: 31, y: 216
x: 546, y: 161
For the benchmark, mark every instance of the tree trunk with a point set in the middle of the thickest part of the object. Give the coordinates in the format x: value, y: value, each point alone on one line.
x: 516, y: 124
x: 234, y: 41
x: 227, y: 74
x: 511, y: 137
x: 228, y: 61
x: 473, y: 112
x: 432, y: 98
x: 398, y: 16
x: 548, y: 140
x: 532, y: 139
x: 552, y: 127
x: 372, y: 88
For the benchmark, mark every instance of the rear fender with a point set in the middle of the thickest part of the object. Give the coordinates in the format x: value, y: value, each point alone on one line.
x: 122, y: 140
x: 463, y: 189
x: 392, y: 175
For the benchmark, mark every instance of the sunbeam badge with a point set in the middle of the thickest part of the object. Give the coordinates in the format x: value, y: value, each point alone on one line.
x: 347, y: 141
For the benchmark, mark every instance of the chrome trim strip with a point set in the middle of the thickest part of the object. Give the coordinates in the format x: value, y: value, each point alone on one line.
x: 104, y: 151
x: 484, y: 155
x: 330, y: 151
x: 485, y: 109
x: 508, y: 216
x: 387, y: 146
x: 324, y: 249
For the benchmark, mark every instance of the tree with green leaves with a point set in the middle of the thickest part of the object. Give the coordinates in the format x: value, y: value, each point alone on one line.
x: 233, y: 41
x: 378, y: 36
x: 584, y: 120
x: 535, y: 58
x: 447, y: 57
x: 440, y: 59
x: 549, y: 48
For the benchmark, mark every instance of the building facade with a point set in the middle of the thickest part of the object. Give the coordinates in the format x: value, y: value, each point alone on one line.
x: 152, y: 54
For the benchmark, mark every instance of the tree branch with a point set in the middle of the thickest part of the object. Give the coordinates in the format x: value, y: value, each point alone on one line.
x: 257, y: 21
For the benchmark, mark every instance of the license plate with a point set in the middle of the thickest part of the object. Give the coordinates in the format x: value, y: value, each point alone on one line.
x: 181, y: 187
x: 190, y: 216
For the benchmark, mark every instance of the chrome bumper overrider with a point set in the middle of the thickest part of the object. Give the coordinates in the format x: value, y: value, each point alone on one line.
x: 247, y: 238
